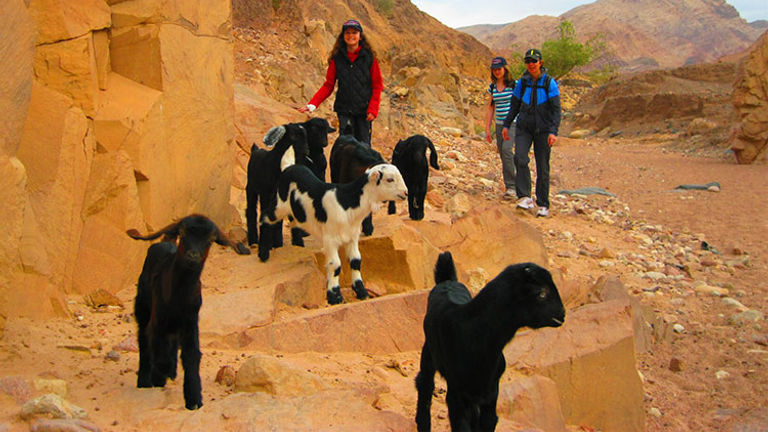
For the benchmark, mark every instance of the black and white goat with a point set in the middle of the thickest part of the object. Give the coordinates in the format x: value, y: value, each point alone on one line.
x: 317, y: 139
x: 333, y: 213
x: 168, y: 301
x: 464, y: 338
x: 287, y: 143
x: 410, y: 157
x: 349, y: 160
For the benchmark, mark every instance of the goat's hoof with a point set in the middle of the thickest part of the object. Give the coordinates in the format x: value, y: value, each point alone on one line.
x: 360, y: 292
x: 334, y: 296
x: 194, y: 405
x: 263, y: 256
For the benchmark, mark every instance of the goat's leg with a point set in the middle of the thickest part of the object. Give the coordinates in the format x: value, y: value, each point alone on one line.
x: 297, y: 236
x: 459, y: 413
x: 368, y: 225
x: 355, y: 263
x: 333, y: 269
x: 161, y: 363
x: 266, y: 229
x: 421, y: 194
x: 143, y: 310
x: 391, y: 207
x: 487, y: 418
x: 252, y: 216
x: 425, y: 386
x: 190, y: 360
x: 173, y: 356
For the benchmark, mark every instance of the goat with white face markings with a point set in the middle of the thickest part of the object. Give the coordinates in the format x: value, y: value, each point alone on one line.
x: 334, y: 213
x: 464, y: 338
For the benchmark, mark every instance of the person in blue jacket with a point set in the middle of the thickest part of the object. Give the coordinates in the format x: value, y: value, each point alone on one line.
x: 536, y: 103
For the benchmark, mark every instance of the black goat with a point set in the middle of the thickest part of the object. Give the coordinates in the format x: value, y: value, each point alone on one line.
x: 168, y: 301
x: 464, y: 338
x: 349, y: 160
x: 317, y: 139
x: 264, y: 168
x: 410, y: 157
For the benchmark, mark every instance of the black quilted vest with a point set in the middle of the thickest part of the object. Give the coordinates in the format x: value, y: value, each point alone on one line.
x: 354, y: 92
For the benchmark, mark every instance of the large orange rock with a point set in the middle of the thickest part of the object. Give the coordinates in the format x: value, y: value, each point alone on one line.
x: 58, y: 20
x: 592, y: 361
x: 58, y: 158
x: 749, y: 139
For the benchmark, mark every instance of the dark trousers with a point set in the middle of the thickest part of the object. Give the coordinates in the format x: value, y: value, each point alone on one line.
x: 357, y: 126
x: 541, y: 152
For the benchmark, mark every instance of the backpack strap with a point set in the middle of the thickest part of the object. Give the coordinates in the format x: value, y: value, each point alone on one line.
x: 544, y: 85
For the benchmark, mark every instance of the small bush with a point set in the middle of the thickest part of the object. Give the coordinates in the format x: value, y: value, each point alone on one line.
x: 384, y: 7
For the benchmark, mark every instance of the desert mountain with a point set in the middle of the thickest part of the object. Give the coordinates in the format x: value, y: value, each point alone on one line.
x: 640, y: 34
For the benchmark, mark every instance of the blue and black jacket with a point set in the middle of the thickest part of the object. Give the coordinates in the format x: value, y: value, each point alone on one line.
x: 536, y: 105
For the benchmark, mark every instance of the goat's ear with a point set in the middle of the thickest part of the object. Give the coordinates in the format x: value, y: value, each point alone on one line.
x: 171, y: 231
x: 273, y: 136
x: 375, y: 176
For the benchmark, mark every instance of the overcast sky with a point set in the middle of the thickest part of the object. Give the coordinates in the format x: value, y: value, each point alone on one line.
x: 460, y: 13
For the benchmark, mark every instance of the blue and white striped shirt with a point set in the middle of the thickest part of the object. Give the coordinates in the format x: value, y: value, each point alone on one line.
x: 501, y: 100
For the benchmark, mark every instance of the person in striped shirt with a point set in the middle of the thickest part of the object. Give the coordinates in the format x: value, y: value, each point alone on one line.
x: 499, y: 103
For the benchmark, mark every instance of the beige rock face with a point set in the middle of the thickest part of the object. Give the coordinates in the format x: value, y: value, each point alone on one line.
x: 533, y: 402
x: 111, y: 125
x: 592, y: 361
x: 749, y: 139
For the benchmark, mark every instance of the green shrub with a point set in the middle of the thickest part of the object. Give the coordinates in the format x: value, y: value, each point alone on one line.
x: 384, y: 7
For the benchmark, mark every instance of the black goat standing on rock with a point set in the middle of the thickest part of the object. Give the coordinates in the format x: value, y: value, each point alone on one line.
x: 410, y: 157
x: 464, y: 338
x: 287, y: 144
x: 168, y: 301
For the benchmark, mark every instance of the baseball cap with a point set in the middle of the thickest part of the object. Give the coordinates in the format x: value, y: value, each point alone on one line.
x: 355, y: 24
x: 533, y: 53
x: 498, y: 62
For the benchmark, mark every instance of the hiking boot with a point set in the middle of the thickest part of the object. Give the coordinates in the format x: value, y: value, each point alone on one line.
x: 525, y: 203
x: 509, y: 194
x: 543, y: 212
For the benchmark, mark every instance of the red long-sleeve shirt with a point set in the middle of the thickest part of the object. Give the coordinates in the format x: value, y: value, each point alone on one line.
x: 328, y: 86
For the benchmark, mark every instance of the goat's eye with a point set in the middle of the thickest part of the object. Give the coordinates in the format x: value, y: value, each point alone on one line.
x: 390, y: 180
x: 543, y: 294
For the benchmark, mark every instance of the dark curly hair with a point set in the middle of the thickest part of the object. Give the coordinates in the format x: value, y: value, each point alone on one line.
x: 340, y: 45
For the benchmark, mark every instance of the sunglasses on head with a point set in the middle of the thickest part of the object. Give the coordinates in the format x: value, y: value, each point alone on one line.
x: 530, y: 60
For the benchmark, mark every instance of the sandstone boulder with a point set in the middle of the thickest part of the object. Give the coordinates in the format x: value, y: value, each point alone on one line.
x: 261, y: 373
x: 592, y: 361
x: 749, y: 139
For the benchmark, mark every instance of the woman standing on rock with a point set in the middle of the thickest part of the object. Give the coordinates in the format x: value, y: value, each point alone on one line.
x: 353, y: 64
x: 500, y: 100
x: 536, y: 99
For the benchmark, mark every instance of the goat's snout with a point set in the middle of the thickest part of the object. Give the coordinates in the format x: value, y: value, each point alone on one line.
x: 194, y: 256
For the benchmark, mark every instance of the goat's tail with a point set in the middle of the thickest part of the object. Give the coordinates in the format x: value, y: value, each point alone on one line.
x: 445, y: 270
x: 432, y: 155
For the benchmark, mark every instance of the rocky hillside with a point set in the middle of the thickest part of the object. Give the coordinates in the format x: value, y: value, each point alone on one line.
x: 641, y: 34
x: 274, y: 40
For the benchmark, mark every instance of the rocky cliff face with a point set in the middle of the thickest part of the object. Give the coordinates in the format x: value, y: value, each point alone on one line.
x: 640, y: 34
x: 749, y: 139
x: 118, y: 115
